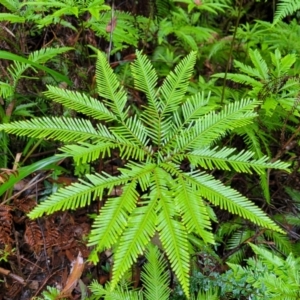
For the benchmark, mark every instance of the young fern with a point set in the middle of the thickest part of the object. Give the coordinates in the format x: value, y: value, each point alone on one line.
x: 158, y: 195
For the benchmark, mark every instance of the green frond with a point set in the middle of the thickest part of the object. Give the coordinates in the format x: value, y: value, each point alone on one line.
x: 12, y: 5
x: 132, y: 130
x: 193, y: 211
x: 174, y: 239
x: 35, y: 58
x: 212, y: 294
x: 122, y: 292
x: 16, y: 70
x: 192, y: 109
x: 140, y: 229
x: 224, y: 160
x: 186, y: 39
x: 43, y: 55
x: 86, y: 153
x: 109, y: 87
x: 250, y: 71
x: 163, y: 8
x: 254, y: 138
x: 145, y: 80
x: 154, y: 275
x: 273, y: 261
x: 12, y: 18
x: 282, y: 64
x: 282, y: 241
x: 240, y: 78
x: 6, y: 90
x: 81, y: 103
x: 126, y: 33
x: 285, y: 8
x: 230, y: 199
x: 196, y: 106
x: 175, y: 85
x: 239, y: 237
x: 62, y: 129
x: 113, y: 219
x: 259, y: 63
x: 264, y: 184
x: 140, y: 172
x: 207, y: 129
x: 78, y: 194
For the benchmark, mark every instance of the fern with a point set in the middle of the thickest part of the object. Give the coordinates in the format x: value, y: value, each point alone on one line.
x: 285, y: 8
x: 17, y: 69
x: 158, y: 196
x: 154, y: 276
x: 280, y: 277
x: 129, y: 29
x: 60, y: 8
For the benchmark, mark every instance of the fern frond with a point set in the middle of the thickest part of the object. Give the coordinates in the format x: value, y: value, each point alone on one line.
x: 63, y: 129
x: 192, y: 109
x: 109, y: 87
x: 43, y: 55
x: 247, y: 69
x: 211, y: 294
x: 81, y: 103
x: 86, y: 153
x: 174, y: 240
x: 224, y: 160
x: 154, y: 275
x: 12, y: 18
x: 196, y: 106
x: 282, y: 242
x: 172, y: 233
x: 12, y: 5
x: 230, y: 199
x: 239, y: 237
x: 175, y: 85
x: 240, y: 78
x: 207, y: 129
x: 140, y: 229
x: 275, y: 263
x: 186, y: 40
x: 114, y: 215
x: 113, y: 218
x: 6, y: 90
x: 285, y: 8
x: 132, y: 130
x: 259, y: 63
x: 145, y: 80
x: 282, y: 64
x: 78, y: 194
x: 190, y: 205
x: 122, y: 292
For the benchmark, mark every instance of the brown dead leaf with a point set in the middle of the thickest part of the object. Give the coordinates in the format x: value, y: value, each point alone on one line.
x: 111, y: 25
x: 75, y: 274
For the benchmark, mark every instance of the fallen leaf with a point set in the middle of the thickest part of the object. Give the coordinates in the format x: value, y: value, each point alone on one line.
x: 75, y: 274
x: 111, y: 25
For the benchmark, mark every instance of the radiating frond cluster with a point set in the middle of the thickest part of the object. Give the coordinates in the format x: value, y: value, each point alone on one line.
x: 158, y: 196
